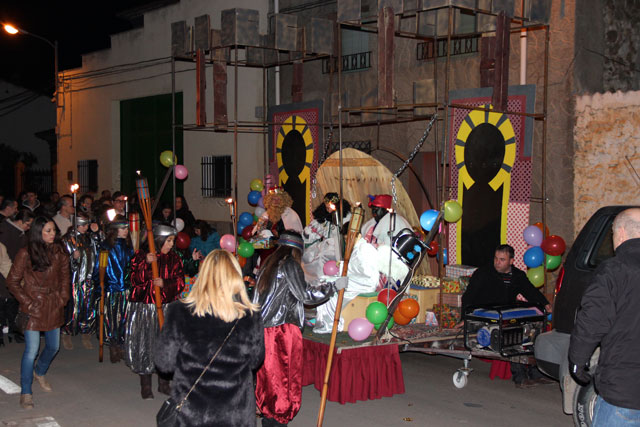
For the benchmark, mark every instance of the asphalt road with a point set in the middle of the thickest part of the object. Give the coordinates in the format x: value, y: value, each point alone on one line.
x: 88, y: 393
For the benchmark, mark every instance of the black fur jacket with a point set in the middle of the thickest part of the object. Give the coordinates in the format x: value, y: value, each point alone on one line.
x: 225, y: 396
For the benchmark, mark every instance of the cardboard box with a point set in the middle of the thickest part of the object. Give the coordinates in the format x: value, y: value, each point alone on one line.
x: 355, y: 308
x: 456, y: 270
x: 426, y: 299
x: 453, y: 300
x: 447, y: 316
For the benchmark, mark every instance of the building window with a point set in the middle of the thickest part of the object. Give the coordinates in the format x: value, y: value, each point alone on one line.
x: 356, y: 55
x: 216, y: 176
x: 88, y: 175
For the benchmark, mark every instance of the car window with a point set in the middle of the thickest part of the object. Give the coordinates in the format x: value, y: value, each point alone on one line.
x: 603, y: 248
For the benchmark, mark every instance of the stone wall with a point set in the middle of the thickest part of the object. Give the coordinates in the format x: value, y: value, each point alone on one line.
x: 607, y: 153
x: 621, y: 41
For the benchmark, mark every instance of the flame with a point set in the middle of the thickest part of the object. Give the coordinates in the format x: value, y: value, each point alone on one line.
x: 74, y: 187
x: 229, y: 201
x: 332, y: 207
x: 111, y: 214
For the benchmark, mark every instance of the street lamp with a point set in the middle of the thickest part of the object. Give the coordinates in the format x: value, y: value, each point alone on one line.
x: 10, y: 29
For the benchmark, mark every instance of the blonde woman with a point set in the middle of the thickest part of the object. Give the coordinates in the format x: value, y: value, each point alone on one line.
x: 193, y: 331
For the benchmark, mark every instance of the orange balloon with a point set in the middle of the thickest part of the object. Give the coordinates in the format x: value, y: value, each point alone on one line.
x: 242, y: 261
x: 400, y: 319
x: 409, y: 308
x: 545, y: 231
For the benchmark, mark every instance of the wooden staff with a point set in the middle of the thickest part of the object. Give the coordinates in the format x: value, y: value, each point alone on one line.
x: 104, y: 259
x: 145, y: 206
x: 352, y: 237
x: 134, y: 229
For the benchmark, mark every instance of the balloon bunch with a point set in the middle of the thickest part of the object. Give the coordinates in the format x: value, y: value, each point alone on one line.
x: 452, y: 213
x: 168, y: 159
x: 544, y: 249
x: 407, y: 310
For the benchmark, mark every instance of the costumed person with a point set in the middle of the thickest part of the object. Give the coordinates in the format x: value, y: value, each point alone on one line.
x: 80, y: 314
x: 322, y: 236
x: 39, y: 279
x: 142, y: 326
x: 376, y: 230
x: 117, y: 285
x: 278, y: 215
x: 206, y: 240
x: 282, y: 292
x: 195, y: 329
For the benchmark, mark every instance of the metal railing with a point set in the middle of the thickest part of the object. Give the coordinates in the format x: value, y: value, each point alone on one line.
x: 353, y: 62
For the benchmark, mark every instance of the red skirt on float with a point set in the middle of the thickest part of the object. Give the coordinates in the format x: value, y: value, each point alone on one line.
x: 279, y: 380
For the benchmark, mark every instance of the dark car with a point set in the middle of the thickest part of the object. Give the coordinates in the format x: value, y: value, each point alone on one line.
x: 593, y: 245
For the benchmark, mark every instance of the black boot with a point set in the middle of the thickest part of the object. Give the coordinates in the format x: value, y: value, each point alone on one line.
x: 114, y: 354
x: 145, y: 387
x: 164, y: 386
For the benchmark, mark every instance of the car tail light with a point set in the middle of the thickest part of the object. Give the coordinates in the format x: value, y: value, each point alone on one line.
x: 559, y: 281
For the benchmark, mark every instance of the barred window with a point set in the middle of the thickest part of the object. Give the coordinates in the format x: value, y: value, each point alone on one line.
x: 88, y: 175
x: 216, y: 176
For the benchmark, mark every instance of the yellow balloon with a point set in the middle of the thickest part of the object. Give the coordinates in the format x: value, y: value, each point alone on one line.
x: 536, y: 276
x: 452, y: 211
x: 167, y: 158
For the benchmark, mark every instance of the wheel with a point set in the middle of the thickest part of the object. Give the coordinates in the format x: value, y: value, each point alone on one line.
x: 459, y: 379
x: 584, y: 402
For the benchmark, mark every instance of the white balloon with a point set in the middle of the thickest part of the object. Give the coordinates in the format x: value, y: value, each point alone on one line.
x: 259, y: 211
x: 179, y: 224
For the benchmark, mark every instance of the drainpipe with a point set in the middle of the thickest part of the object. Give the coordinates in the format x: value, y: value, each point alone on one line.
x: 276, y: 9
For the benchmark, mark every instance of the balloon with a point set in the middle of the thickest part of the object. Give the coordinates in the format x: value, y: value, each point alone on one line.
x: 359, y: 329
x: 254, y: 197
x: 259, y: 211
x: 553, y: 245
x: 409, y: 308
x: 256, y: 185
x: 228, y: 242
x: 546, y: 229
x: 242, y: 261
x: 167, y: 158
x: 181, y: 172
x: 183, y: 240
x: 533, y: 257
x: 452, y: 211
x: 256, y: 218
x: 261, y: 202
x: 376, y: 312
x: 245, y: 249
x: 427, y: 219
x: 389, y: 325
x: 330, y: 268
x: 382, y: 296
x: 400, y: 319
x: 179, y: 224
x: 445, y: 257
x: 552, y: 261
x: 532, y: 235
x: 245, y: 219
x: 434, y: 248
x: 536, y: 276
x: 246, y: 232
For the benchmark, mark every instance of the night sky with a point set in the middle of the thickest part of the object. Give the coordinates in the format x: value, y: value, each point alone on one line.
x: 78, y: 26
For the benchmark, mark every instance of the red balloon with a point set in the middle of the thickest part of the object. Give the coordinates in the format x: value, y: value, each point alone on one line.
x: 183, y: 240
x: 434, y: 248
x: 553, y: 245
x: 382, y: 296
x: 242, y: 261
x: 409, y: 308
x: 246, y: 232
x: 400, y: 319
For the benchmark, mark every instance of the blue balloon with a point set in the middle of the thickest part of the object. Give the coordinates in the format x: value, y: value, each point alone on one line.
x: 254, y: 197
x: 445, y: 258
x: 427, y: 219
x: 533, y: 257
x: 245, y: 219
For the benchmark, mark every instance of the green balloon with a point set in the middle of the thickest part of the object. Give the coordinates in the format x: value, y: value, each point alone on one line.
x: 452, y: 211
x: 245, y: 249
x: 376, y: 312
x: 389, y: 325
x: 256, y: 218
x: 168, y: 159
x: 256, y: 185
x: 552, y: 261
x: 536, y: 276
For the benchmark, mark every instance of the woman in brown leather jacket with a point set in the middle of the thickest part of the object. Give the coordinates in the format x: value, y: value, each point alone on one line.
x: 39, y: 279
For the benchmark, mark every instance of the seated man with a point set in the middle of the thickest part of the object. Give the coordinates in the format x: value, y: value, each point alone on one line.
x: 504, y: 284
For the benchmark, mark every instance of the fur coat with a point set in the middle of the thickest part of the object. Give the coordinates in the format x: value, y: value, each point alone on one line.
x: 225, y: 394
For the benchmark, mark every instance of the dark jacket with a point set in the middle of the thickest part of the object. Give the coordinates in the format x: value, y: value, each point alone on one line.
x: 285, y: 299
x: 225, y: 395
x: 486, y: 287
x: 44, y: 293
x: 609, y: 315
x: 12, y: 238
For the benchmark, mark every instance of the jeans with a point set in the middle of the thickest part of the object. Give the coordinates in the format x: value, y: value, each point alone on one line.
x: 31, y: 348
x: 608, y: 415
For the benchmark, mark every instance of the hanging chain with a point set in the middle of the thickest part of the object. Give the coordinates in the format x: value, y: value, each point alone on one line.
x: 325, y: 149
x: 410, y: 158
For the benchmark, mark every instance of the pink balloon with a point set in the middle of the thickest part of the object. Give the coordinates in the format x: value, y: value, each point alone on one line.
x: 228, y: 242
x: 330, y: 268
x: 359, y: 329
x: 181, y: 172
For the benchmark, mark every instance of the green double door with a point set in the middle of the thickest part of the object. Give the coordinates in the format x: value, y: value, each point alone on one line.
x: 145, y: 132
